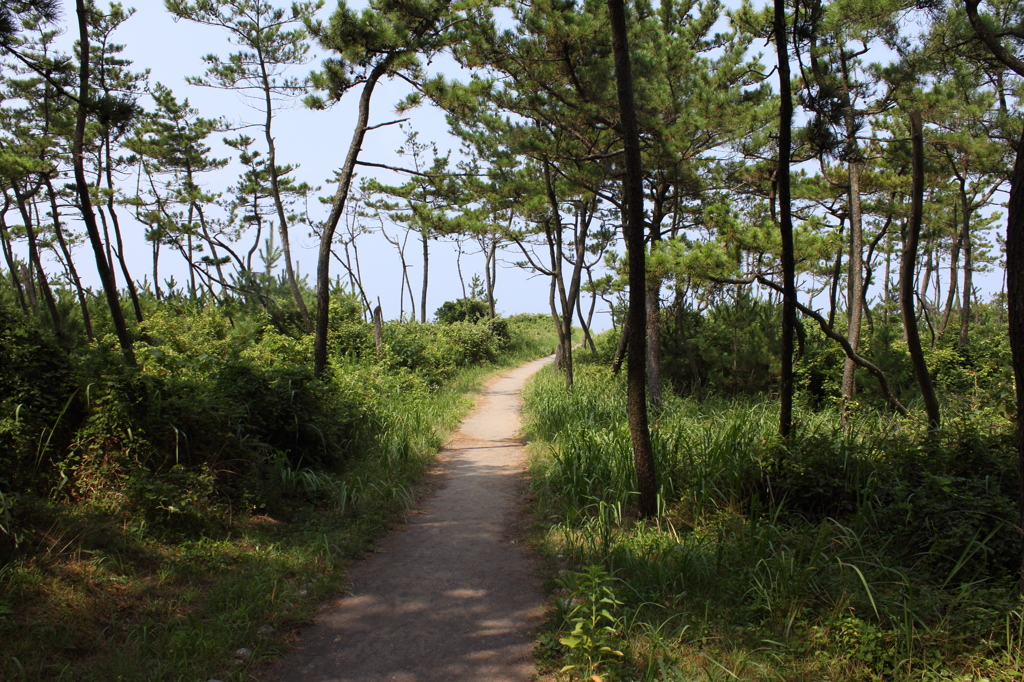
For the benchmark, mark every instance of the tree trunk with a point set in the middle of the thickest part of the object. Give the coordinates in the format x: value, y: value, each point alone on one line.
x: 1014, y: 261
x: 33, y: 252
x: 586, y: 323
x: 133, y: 292
x: 212, y: 243
x: 275, y: 187
x: 654, y: 397
x: 28, y: 277
x: 954, y: 266
x: 562, y: 350
x: 886, y: 287
x: 426, y: 264
x: 786, y: 226
x: 633, y: 200
x: 856, y: 284
x: 924, y: 379
x: 323, y: 264
x: 1015, y: 309
x: 491, y: 275
x: 85, y: 201
x: 83, y: 301
x: 378, y: 330
x: 12, y: 267
x: 622, y: 346
x: 588, y: 339
x: 833, y: 291
x: 965, y: 296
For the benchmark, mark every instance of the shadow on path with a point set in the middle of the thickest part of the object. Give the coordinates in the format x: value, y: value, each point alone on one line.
x: 451, y: 595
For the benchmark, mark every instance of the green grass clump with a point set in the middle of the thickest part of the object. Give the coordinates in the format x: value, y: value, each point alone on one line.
x: 869, y: 553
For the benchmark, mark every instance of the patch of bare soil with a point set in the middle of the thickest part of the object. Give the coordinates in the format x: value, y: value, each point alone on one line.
x: 452, y: 594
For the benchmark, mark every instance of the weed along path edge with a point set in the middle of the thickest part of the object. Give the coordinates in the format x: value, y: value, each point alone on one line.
x: 450, y: 595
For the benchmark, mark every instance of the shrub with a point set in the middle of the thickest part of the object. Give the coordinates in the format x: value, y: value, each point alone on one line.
x: 462, y: 310
x: 39, y: 402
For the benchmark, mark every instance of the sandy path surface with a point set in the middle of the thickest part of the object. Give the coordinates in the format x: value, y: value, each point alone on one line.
x: 451, y: 595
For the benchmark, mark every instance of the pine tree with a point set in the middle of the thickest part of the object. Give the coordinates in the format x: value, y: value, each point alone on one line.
x: 271, y: 40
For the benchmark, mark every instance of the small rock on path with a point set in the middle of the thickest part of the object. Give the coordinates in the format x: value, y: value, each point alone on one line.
x: 451, y: 595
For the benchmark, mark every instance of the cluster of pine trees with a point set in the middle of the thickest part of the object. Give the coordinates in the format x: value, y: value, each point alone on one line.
x: 856, y: 176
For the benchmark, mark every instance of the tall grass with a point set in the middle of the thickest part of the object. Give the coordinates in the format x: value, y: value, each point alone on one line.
x: 852, y: 554
x: 92, y: 595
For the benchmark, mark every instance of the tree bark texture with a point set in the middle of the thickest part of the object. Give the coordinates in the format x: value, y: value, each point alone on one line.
x: 82, y: 188
x: 323, y: 263
x: 633, y: 198
x: 654, y: 396
x: 855, y: 290
x: 426, y: 272
x: 37, y: 265
x: 965, y: 295
x: 785, y: 226
x: 924, y: 379
x: 1015, y: 309
x: 1014, y: 260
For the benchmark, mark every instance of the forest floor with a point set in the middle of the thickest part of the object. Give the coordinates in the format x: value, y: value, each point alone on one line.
x: 453, y: 594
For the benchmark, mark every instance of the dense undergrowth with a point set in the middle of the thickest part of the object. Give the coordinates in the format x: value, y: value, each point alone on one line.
x: 154, y: 520
x: 873, y: 552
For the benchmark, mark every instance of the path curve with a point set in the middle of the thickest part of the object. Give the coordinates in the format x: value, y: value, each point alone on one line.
x: 451, y: 595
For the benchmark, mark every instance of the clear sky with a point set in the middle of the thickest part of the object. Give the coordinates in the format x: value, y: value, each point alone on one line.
x: 318, y: 141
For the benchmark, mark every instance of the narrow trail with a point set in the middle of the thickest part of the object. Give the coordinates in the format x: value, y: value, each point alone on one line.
x: 451, y: 595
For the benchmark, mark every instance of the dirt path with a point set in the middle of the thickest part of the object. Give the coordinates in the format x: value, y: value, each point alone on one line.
x: 451, y: 595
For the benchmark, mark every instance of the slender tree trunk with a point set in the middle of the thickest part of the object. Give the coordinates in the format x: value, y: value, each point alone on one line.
x: 192, y: 268
x: 588, y: 339
x: 85, y: 201
x: 213, y: 243
x: 927, y: 269
x: 633, y: 199
x: 560, y: 350
x: 378, y: 330
x: 323, y: 264
x: 837, y: 270
x: 786, y: 225
x: 907, y: 276
x: 965, y: 296
x: 275, y: 188
x: 426, y: 272
x: 567, y: 297
x: 28, y: 277
x: 954, y: 266
x: 156, y: 271
x: 408, y: 286
x: 854, y: 295
x: 587, y: 323
x: 887, y: 284
x: 654, y: 397
x: 622, y: 346
x: 37, y: 264
x: 491, y: 274
x: 58, y: 229
x: 133, y: 292
x: 12, y: 266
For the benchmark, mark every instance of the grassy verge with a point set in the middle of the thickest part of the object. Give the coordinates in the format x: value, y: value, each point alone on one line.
x: 869, y: 554
x: 105, y: 596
